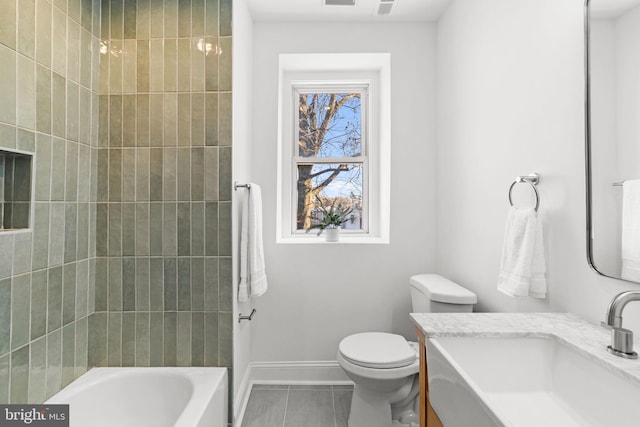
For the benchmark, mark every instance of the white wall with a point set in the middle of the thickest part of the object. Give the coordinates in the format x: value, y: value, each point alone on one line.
x: 510, y: 101
x: 242, y: 141
x: 319, y: 294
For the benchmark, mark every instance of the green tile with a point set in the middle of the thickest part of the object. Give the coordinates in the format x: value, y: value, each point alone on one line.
x: 211, y: 228
x: 156, y: 65
x: 75, y: 10
x: 129, y: 30
x: 73, y: 110
x: 26, y: 93
x: 117, y: 9
x: 69, y: 293
x: 169, y: 241
x: 26, y: 140
x: 197, y: 17
x: 102, y: 227
x: 58, y: 109
x: 114, y: 344
x: 142, y: 284
x: 71, y: 232
x: 103, y: 175
x: 142, y: 116
x: 155, y: 174
x: 115, y: 229
x: 211, y: 339
x: 38, y: 304
x: 20, y: 376
x: 40, y: 236
x: 184, y: 18
x: 225, y: 338
x: 38, y: 370
x: 54, y: 363
x: 226, y: 8
x: 143, y: 20
x: 169, y: 174
x: 5, y: 317
x: 43, y: 32
x: 197, y: 339
x: 128, y: 284
x: 226, y: 284
x: 80, y: 360
x: 103, y: 119
x: 184, y: 174
x: 128, y: 229
x: 184, y: 284
x: 197, y: 283
x: 198, y: 56
x: 184, y: 229
x: 27, y: 23
x: 156, y: 117
x: 43, y: 96
x: 58, y: 168
x: 105, y: 19
x: 170, y: 65
x: 5, y: 362
x: 82, y: 289
x: 170, y: 18
x: 128, y: 339
x: 211, y: 270
x: 197, y: 229
x: 224, y: 237
x: 102, y: 284
x: 197, y: 174
x: 115, y: 121
x: 184, y: 119
x: 225, y: 69
x: 8, y: 23
x: 86, y: 13
x: 156, y: 284
x: 54, y: 299
x: 211, y: 65
x: 211, y: 119
x: 20, y: 310
x: 142, y: 68
x: 115, y: 175
x: 43, y: 167
x: 142, y: 339
x: 73, y: 50
x: 212, y: 17
x: 84, y: 116
x: 156, y: 345
x: 68, y: 353
x: 129, y: 120
x: 22, y: 253
x: 142, y: 229
x: 184, y: 68
x: 170, y: 284
x: 128, y: 175
x: 170, y: 337
x: 142, y: 174
x: 115, y: 284
x: 98, y: 328
x: 197, y: 119
x: 156, y: 229
x: 96, y: 18
x: 85, y: 172
x: 225, y: 118
x: 83, y: 231
x: 170, y: 120
x: 183, y: 339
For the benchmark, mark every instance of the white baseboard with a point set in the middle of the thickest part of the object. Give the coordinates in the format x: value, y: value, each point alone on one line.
x: 242, y: 397
x: 311, y: 372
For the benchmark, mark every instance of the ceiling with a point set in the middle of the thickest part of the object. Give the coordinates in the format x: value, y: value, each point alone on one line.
x: 363, y: 11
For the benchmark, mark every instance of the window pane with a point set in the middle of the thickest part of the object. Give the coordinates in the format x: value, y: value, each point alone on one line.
x: 329, y: 125
x: 324, y: 185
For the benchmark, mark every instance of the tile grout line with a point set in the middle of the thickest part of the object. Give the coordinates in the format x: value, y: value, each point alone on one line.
x: 286, y: 406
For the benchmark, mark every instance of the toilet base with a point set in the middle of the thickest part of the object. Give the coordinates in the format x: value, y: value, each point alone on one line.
x: 373, y: 409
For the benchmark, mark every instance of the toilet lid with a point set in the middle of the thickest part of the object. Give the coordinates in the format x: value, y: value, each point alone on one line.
x: 377, y: 350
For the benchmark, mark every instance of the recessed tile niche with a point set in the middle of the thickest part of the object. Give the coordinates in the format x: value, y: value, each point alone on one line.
x: 15, y: 190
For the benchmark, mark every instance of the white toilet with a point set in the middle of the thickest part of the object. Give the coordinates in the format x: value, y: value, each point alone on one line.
x: 384, y: 366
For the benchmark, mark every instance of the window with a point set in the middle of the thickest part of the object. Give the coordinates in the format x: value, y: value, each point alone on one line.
x: 330, y: 154
x: 333, y: 146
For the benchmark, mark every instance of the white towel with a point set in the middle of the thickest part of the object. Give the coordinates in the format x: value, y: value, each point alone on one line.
x: 253, y: 278
x: 631, y: 230
x: 523, y: 268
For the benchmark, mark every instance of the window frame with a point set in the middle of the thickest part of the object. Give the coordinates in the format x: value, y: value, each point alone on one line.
x: 300, y: 87
x: 336, y: 70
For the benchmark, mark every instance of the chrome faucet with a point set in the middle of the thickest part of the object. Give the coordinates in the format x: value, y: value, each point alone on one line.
x: 621, y: 338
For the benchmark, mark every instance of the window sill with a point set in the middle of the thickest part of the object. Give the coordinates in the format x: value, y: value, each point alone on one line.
x: 312, y: 239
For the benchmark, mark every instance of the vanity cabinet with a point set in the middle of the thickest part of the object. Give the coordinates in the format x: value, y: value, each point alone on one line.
x: 428, y: 417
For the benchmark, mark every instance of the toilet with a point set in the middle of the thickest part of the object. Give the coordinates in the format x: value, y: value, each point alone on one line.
x: 384, y: 366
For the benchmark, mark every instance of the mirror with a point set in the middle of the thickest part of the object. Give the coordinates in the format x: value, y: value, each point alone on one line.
x: 612, y: 33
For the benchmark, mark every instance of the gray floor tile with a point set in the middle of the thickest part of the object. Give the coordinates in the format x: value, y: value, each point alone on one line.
x: 310, y: 408
x: 266, y: 408
x: 342, y: 403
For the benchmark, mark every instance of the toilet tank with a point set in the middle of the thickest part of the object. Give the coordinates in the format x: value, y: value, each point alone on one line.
x: 432, y: 293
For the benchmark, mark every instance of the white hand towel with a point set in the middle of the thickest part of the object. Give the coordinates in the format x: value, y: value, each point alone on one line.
x: 631, y: 230
x: 253, y: 278
x: 523, y: 269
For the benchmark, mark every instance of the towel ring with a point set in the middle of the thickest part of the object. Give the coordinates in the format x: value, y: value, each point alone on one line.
x: 532, y: 180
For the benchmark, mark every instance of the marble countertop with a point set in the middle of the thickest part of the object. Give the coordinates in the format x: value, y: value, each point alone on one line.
x: 590, y: 339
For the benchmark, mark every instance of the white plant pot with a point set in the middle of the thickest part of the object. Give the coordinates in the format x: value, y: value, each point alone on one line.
x: 332, y: 234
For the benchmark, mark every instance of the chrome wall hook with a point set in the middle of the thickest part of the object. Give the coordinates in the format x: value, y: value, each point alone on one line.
x: 249, y: 317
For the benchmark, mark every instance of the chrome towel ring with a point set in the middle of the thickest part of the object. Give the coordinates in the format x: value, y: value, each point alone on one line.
x: 532, y: 179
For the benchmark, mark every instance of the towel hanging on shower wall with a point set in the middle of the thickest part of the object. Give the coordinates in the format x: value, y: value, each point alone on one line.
x: 253, y: 278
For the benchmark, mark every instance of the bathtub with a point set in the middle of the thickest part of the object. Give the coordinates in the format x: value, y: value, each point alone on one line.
x: 147, y: 397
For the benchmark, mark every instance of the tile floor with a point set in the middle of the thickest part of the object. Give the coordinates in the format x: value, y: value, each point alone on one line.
x: 298, y: 406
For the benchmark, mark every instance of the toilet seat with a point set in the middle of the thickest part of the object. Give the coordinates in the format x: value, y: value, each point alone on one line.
x: 377, y: 350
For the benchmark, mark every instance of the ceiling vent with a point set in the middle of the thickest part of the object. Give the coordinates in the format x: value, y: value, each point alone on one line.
x: 385, y: 7
x: 340, y: 2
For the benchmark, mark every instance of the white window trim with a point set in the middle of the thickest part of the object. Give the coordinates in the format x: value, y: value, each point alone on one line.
x: 334, y: 70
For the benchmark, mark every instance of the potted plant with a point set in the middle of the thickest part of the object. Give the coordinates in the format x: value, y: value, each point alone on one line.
x: 331, y: 219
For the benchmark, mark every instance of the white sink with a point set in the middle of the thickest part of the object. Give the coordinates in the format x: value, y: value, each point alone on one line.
x: 525, y: 382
